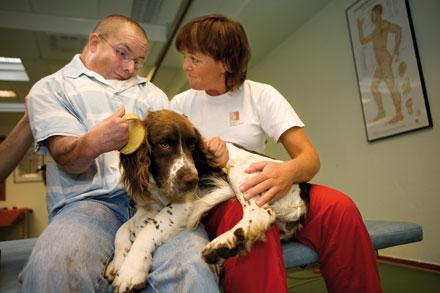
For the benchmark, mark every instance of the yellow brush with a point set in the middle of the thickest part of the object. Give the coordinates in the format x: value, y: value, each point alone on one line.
x: 136, y: 134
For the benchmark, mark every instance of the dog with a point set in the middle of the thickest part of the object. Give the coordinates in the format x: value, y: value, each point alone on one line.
x: 174, y: 181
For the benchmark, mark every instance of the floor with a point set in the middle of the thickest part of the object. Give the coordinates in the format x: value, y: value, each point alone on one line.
x: 394, y: 278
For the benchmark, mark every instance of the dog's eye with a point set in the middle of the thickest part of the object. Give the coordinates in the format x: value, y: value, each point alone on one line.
x: 165, y: 145
x: 191, y: 144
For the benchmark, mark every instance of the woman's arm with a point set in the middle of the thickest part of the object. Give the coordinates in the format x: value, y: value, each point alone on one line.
x: 277, y: 178
x: 305, y: 158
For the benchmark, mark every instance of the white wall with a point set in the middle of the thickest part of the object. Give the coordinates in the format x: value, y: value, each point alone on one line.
x: 30, y: 195
x: 392, y: 179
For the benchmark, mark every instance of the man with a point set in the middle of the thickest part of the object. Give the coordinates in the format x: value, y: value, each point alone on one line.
x: 76, y: 115
x: 15, y: 146
x: 384, y: 59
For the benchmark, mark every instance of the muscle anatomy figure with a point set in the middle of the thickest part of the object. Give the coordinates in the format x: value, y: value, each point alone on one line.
x: 384, y: 59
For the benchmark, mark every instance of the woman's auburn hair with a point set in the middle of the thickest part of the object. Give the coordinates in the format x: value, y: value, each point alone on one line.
x: 222, y: 39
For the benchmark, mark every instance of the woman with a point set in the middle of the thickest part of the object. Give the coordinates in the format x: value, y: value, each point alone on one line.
x: 222, y: 103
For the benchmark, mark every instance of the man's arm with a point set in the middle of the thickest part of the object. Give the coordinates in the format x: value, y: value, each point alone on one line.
x: 397, y: 30
x: 362, y: 39
x: 14, y: 147
x: 76, y: 154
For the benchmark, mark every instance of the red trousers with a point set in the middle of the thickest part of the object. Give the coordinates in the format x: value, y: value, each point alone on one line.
x: 333, y: 228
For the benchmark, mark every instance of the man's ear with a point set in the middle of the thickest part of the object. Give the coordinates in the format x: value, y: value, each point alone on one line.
x: 93, y: 42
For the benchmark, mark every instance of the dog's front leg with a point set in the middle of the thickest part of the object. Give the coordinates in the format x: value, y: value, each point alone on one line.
x: 167, y: 223
x: 252, y: 227
x: 217, y: 193
x: 122, y: 246
x: 124, y: 240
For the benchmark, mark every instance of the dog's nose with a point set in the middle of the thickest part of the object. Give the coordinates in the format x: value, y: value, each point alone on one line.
x: 190, y: 180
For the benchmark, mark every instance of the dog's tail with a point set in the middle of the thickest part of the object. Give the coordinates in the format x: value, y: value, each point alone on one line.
x: 216, y: 191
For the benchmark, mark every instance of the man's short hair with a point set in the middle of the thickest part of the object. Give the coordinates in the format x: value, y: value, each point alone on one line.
x: 110, y: 24
x: 377, y: 8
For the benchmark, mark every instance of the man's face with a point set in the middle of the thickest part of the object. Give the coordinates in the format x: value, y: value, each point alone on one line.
x: 375, y: 16
x: 120, y: 55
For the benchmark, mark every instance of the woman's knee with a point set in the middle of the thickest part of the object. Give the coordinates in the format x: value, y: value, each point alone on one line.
x: 325, y: 198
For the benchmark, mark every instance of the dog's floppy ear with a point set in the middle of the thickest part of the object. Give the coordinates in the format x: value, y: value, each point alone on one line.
x: 204, y: 162
x: 136, y: 134
x: 135, y: 169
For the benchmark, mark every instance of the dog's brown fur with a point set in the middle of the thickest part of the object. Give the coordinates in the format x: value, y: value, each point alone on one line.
x: 165, y: 131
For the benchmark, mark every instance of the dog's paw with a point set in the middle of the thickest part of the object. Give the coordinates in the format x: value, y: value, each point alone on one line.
x: 225, y: 247
x: 132, y: 274
x: 129, y: 280
x: 110, y: 272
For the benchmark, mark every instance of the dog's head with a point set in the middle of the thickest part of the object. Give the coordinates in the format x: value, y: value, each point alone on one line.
x: 172, y: 154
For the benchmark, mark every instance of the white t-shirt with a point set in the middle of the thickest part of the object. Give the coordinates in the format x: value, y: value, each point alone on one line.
x: 247, y: 116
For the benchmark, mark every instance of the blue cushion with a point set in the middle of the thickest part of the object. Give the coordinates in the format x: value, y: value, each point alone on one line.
x: 295, y: 254
x: 13, y: 256
x: 384, y: 234
x: 390, y: 233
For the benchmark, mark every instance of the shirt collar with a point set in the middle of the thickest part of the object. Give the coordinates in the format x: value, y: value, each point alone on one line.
x: 76, y: 68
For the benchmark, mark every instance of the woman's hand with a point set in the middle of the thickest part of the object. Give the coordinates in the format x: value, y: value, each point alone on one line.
x: 217, y: 149
x: 273, y: 181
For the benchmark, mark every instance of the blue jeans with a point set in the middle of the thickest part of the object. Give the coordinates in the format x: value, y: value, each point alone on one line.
x: 73, y: 251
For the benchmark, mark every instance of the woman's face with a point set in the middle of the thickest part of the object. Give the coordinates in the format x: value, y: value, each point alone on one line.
x: 204, y: 73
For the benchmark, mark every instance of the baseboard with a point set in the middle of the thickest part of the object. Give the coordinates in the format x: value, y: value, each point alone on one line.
x: 410, y: 263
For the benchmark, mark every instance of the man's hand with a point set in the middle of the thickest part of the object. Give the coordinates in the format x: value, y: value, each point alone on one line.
x: 110, y: 134
x: 75, y: 154
x: 217, y: 149
x: 273, y: 181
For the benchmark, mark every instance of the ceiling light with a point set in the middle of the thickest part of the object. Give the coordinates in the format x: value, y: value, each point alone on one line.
x: 12, y: 107
x: 12, y: 69
x: 8, y: 94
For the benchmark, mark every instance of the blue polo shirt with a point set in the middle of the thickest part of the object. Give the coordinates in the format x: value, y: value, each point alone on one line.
x: 71, y: 102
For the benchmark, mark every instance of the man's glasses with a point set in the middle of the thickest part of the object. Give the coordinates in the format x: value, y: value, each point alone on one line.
x: 123, y: 55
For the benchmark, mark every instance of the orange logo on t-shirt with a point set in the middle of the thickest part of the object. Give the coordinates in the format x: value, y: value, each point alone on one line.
x: 234, y: 118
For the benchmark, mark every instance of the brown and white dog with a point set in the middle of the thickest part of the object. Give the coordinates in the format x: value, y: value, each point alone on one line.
x: 174, y: 183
